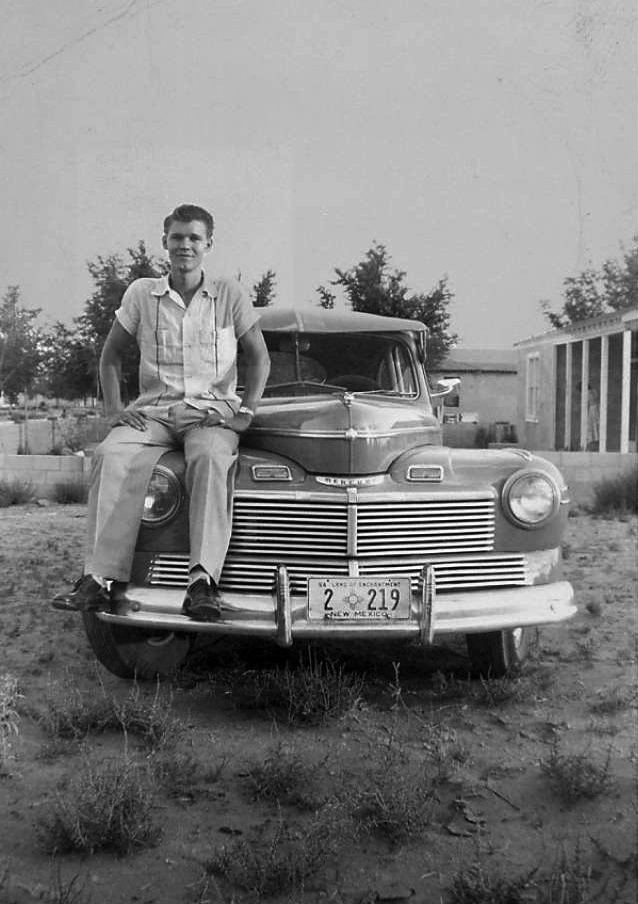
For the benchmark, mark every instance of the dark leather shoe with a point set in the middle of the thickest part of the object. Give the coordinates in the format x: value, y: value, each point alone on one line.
x: 201, y: 602
x: 86, y: 596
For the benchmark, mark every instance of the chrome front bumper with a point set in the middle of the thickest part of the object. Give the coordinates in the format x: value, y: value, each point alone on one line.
x: 284, y: 619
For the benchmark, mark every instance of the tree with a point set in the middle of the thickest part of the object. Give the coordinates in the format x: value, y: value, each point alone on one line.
x: 594, y: 292
x: 371, y: 286
x: 263, y: 291
x: 20, y: 346
x: 70, y: 363
x: 112, y: 275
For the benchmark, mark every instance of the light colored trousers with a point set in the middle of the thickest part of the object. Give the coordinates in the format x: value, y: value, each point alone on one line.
x: 122, y: 468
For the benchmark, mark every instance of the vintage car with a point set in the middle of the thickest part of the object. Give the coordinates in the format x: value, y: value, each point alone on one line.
x: 351, y: 520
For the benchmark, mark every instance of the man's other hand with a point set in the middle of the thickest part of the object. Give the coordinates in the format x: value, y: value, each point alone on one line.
x: 132, y: 418
x: 239, y: 422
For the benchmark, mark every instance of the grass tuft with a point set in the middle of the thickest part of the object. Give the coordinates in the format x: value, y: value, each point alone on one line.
x: 106, y: 807
x: 15, y: 491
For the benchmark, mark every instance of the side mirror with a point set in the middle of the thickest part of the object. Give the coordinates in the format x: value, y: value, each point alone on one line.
x: 448, y: 386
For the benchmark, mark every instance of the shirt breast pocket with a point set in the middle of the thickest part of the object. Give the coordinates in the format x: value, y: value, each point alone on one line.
x: 218, y: 347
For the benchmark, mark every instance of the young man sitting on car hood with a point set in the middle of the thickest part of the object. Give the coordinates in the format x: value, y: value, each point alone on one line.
x: 187, y: 326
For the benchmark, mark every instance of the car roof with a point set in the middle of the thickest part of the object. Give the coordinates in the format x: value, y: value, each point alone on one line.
x: 318, y: 320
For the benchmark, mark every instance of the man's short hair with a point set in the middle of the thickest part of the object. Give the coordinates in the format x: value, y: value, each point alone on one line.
x: 186, y: 213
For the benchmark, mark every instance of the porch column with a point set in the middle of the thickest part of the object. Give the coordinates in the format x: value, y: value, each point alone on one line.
x: 604, y: 382
x: 584, y: 395
x: 568, y: 395
x: 625, y: 391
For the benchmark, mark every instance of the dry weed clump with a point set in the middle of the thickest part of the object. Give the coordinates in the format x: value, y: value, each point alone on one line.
x: 612, y: 700
x: 182, y: 775
x: 475, y: 886
x: 72, y: 714
x: 390, y: 800
x: 285, y: 778
x: 311, y: 693
x: 280, y: 858
x: 576, y: 776
x: 105, y: 807
x: 9, y: 719
x: 569, y: 882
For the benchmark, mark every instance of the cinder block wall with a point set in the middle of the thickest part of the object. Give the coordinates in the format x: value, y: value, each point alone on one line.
x: 582, y: 470
x: 45, y: 471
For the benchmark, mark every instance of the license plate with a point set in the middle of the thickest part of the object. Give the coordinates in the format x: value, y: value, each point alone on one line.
x: 359, y: 599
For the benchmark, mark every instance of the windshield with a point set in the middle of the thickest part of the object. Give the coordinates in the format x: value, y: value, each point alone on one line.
x: 308, y: 363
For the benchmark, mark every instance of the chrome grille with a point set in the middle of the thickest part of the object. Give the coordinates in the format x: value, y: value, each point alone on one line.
x: 460, y: 574
x: 311, y: 528
x: 289, y: 527
x: 258, y: 575
x: 432, y: 527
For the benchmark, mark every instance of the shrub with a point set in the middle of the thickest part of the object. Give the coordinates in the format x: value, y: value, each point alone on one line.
x: 106, y: 807
x: 15, y: 491
x: 617, y: 495
x: 70, y: 493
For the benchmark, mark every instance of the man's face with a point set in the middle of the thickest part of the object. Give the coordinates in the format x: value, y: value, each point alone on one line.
x: 186, y: 243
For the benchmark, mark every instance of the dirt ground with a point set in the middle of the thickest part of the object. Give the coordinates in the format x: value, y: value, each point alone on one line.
x: 488, y: 753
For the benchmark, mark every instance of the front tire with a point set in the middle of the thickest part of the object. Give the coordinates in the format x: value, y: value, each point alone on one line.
x: 136, y: 652
x: 498, y: 653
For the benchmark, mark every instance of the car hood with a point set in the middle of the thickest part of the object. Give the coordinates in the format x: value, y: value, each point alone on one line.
x: 345, y: 434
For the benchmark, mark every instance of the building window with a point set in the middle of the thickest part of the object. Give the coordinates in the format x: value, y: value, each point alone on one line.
x: 532, y: 383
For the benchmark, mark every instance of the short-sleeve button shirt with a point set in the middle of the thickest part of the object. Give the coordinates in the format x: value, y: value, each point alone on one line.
x: 186, y: 353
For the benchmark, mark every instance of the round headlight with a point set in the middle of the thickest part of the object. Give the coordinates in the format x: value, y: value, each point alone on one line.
x: 163, y: 497
x: 530, y: 498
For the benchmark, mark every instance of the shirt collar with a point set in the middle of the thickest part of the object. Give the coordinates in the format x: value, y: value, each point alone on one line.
x: 162, y: 287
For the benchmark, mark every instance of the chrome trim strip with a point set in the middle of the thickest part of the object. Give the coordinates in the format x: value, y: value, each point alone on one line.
x: 339, y: 434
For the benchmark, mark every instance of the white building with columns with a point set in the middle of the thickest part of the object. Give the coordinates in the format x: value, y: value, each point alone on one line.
x: 578, y: 386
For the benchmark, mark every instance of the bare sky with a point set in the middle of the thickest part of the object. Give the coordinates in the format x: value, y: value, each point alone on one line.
x: 490, y: 140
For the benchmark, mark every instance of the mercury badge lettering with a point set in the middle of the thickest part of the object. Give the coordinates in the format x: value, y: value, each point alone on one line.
x: 351, y: 521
